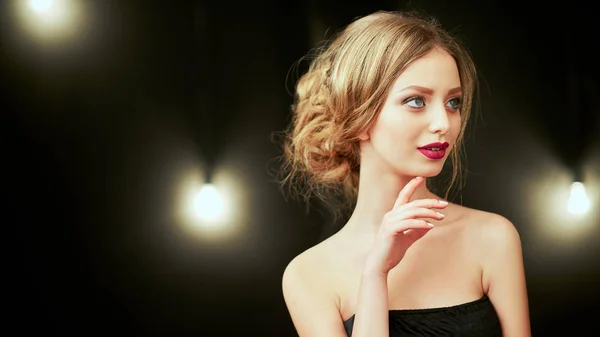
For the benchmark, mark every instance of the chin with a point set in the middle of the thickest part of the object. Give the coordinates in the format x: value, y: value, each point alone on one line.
x: 416, y: 167
x: 426, y: 171
x: 420, y: 172
x: 430, y: 174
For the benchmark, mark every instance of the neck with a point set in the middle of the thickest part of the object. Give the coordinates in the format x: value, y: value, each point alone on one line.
x: 378, y: 191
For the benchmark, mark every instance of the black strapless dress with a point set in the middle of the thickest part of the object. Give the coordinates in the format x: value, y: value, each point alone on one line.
x: 477, y: 318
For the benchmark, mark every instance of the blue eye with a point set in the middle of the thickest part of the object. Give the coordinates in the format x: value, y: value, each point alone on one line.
x: 455, y: 103
x: 415, y: 102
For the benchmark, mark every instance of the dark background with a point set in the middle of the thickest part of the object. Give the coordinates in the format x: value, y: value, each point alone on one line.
x: 99, y: 131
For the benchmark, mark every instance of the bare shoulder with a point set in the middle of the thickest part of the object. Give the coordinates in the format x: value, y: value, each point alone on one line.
x: 309, y: 267
x: 497, y: 246
x: 492, y: 238
x: 487, y: 228
x: 309, y: 293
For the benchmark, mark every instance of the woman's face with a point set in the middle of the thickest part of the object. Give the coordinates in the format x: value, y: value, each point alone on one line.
x: 422, y: 108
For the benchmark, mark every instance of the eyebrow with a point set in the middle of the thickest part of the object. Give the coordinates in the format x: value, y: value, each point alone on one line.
x: 428, y: 91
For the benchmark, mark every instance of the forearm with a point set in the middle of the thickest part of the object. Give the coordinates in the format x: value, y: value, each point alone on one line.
x: 371, y: 316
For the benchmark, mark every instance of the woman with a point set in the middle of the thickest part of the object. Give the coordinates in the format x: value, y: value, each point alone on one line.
x: 380, y: 109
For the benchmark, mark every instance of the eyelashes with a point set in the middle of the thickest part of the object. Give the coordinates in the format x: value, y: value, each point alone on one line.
x: 419, y: 102
x: 413, y: 100
x: 457, y: 104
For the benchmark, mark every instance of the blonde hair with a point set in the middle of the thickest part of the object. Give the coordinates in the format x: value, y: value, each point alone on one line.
x: 343, y: 91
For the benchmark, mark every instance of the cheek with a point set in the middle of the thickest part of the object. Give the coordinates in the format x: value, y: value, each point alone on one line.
x: 394, y: 139
x: 394, y: 129
x: 456, y: 125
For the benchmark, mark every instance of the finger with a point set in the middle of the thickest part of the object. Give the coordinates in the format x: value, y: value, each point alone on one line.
x: 413, y: 213
x: 400, y: 227
x: 427, y: 203
x: 408, y: 190
x: 416, y: 234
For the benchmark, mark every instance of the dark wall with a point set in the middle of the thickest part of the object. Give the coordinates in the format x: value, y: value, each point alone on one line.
x: 98, y: 134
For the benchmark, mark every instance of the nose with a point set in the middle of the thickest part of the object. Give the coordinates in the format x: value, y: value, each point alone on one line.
x: 440, y: 123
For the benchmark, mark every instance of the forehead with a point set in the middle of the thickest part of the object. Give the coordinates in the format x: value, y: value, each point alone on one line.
x: 436, y: 70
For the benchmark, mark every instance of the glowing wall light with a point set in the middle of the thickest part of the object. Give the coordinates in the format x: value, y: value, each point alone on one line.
x: 51, y: 20
x: 41, y: 6
x: 214, y: 208
x: 209, y: 204
x: 578, y: 203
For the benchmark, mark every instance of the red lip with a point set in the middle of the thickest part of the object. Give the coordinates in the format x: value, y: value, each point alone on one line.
x: 427, y: 151
x: 443, y: 145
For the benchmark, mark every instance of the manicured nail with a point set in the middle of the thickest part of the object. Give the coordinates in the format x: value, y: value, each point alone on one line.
x: 443, y: 202
x: 440, y: 214
x: 429, y: 224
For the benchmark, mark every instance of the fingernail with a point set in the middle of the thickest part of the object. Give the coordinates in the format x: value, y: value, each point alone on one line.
x: 419, y: 178
x: 429, y: 224
x: 440, y: 214
x: 443, y: 202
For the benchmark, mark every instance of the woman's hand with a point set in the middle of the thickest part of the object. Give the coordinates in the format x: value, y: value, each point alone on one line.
x: 401, y: 227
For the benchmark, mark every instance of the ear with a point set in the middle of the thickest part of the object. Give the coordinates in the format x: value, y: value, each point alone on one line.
x: 364, y: 136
